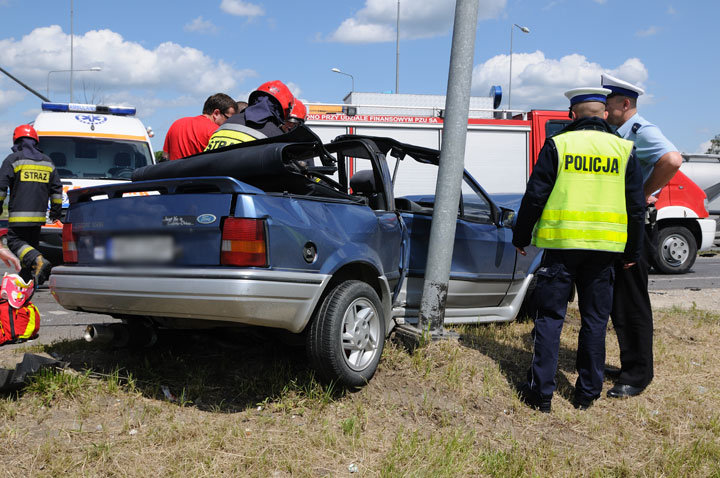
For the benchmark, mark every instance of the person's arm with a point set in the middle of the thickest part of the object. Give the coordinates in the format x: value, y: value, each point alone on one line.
x: 635, y: 207
x: 55, y: 190
x: 663, y: 171
x: 9, y: 258
x: 536, y: 195
x: 6, y: 176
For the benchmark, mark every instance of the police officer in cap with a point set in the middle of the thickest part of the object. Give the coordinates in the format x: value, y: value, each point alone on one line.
x: 631, y: 312
x: 583, y: 205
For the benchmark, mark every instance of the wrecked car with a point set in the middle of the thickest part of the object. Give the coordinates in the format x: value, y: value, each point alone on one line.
x: 286, y: 233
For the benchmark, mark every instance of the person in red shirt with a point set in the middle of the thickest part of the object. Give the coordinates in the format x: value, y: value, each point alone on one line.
x: 190, y: 135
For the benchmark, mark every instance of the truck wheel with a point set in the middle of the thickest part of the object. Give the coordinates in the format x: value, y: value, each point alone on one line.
x: 347, y: 335
x: 676, y: 251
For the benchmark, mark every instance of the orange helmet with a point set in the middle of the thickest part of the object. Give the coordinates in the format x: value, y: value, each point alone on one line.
x: 25, y: 131
x: 279, y: 92
x: 298, y: 113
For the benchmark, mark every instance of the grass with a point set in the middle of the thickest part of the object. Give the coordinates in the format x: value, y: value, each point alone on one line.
x: 240, y: 407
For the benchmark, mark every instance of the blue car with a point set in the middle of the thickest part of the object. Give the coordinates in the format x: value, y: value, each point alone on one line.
x: 287, y: 233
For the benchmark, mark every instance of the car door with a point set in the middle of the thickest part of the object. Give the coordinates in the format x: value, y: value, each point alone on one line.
x: 483, y: 258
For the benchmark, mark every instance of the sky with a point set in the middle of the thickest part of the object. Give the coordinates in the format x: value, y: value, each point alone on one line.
x: 167, y: 57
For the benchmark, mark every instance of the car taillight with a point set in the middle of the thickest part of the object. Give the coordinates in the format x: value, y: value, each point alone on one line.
x: 243, y: 242
x: 69, y: 246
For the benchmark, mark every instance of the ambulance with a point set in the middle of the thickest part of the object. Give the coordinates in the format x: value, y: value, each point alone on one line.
x: 90, y: 145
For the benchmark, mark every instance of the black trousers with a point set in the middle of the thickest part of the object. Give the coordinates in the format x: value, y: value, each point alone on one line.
x: 23, y: 241
x: 592, y: 272
x: 633, y: 320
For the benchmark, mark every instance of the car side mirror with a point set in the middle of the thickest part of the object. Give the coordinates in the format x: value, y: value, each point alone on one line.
x: 507, y: 218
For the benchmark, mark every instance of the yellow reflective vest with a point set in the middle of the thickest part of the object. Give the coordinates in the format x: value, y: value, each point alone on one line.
x: 233, y: 133
x: 586, y: 208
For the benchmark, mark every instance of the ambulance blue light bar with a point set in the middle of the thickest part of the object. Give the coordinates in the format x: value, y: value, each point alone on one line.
x: 83, y: 108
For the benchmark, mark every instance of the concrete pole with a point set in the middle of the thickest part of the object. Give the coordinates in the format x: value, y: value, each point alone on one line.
x: 449, y: 181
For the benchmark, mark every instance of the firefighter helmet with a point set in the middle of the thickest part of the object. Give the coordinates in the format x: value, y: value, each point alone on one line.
x: 298, y: 113
x: 279, y: 92
x: 25, y: 131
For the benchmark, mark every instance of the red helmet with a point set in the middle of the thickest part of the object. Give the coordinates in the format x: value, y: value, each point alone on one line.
x: 25, y: 131
x: 298, y: 113
x: 279, y: 92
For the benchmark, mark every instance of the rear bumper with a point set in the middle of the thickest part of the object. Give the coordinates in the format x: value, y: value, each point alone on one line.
x: 707, y: 231
x: 280, y: 299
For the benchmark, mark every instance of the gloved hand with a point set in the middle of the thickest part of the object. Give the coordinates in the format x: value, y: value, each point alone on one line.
x: 55, y: 213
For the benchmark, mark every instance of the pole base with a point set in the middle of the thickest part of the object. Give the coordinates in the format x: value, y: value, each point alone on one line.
x: 412, y: 337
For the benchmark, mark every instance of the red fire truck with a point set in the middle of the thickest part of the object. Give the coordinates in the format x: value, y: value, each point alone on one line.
x: 501, y: 152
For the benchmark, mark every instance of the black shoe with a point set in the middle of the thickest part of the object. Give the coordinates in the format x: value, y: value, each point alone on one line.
x: 583, y: 403
x: 41, y: 270
x: 533, y: 399
x: 612, y: 373
x: 622, y: 390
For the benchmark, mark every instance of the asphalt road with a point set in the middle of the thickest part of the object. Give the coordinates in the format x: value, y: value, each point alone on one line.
x: 58, y: 323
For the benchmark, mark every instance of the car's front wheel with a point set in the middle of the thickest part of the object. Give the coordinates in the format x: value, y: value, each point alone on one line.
x: 347, y: 334
x: 676, y: 250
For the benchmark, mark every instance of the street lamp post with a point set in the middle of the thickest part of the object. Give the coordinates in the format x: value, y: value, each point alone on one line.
x: 94, y: 68
x: 524, y: 30
x: 347, y: 74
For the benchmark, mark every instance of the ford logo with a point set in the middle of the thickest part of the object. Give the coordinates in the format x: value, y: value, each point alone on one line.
x: 206, y: 219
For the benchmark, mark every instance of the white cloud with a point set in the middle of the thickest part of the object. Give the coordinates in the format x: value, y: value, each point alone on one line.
x: 702, y: 149
x: 539, y: 82
x: 10, y: 97
x: 601, y: 2
x: 650, y: 31
x: 200, y: 25
x: 241, y: 9
x: 671, y: 10
x: 377, y: 20
x: 125, y: 64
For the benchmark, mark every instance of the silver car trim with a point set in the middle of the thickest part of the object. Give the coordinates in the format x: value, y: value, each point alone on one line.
x: 280, y: 299
x: 505, y: 312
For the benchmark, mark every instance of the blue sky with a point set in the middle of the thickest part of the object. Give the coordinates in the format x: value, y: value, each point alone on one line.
x: 167, y: 57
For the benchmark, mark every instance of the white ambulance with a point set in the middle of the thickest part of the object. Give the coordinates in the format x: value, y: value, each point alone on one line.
x: 90, y: 145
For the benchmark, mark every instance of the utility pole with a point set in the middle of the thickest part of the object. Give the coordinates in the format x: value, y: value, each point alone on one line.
x: 24, y: 86
x: 450, y: 171
x: 397, y: 51
x: 71, y: 50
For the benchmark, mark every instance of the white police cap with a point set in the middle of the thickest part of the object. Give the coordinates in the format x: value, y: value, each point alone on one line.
x: 620, y: 87
x: 581, y: 95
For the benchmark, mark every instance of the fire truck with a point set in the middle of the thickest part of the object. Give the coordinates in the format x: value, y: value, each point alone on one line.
x: 500, y: 152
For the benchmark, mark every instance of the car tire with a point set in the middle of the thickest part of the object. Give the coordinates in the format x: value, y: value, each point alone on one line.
x: 676, y: 250
x: 347, y: 335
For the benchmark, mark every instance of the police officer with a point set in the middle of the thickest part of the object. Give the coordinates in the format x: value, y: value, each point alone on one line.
x: 32, y: 179
x: 268, y: 109
x: 631, y: 312
x: 584, y: 201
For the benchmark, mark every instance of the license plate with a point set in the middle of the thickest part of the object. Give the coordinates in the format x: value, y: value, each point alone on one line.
x: 154, y: 249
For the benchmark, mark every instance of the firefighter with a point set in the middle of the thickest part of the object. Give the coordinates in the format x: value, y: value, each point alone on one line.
x: 584, y: 199
x: 268, y: 109
x: 32, y: 179
x: 297, y: 116
x: 631, y: 312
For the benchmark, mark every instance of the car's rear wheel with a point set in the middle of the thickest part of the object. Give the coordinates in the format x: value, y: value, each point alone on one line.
x: 347, y: 335
x: 676, y: 250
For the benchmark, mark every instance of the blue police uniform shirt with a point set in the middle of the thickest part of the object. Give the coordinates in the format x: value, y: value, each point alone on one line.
x: 650, y: 143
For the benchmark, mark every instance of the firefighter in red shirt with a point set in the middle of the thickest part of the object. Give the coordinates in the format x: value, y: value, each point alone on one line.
x: 190, y: 135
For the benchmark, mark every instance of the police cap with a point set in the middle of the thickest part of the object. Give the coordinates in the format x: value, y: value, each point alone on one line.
x: 620, y: 87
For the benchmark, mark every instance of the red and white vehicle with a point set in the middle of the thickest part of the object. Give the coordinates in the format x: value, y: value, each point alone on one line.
x: 501, y: 153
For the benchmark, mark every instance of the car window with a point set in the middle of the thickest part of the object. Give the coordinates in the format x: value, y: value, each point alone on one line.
x: 474, y: 207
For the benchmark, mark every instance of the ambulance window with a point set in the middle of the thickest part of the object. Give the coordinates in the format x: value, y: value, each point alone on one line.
x: 95, y: 158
